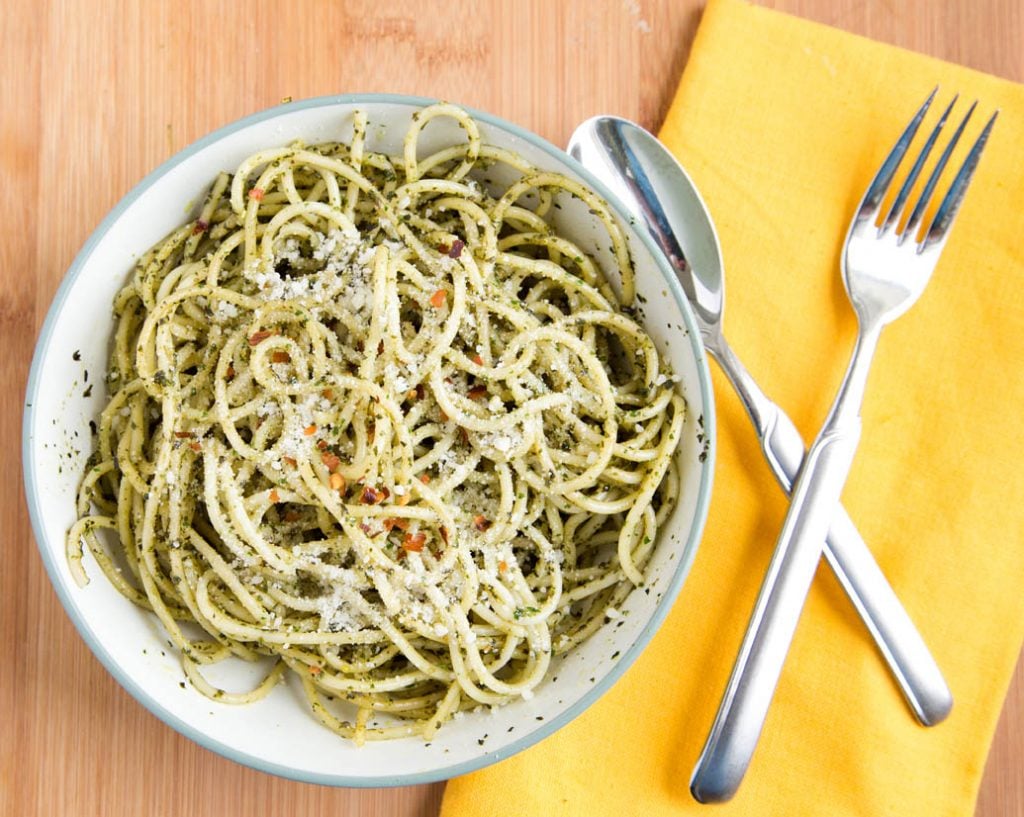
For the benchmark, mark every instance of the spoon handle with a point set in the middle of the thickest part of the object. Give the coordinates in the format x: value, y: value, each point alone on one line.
x: 894, y: 632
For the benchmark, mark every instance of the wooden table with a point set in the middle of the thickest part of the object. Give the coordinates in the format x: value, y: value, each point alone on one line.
x: 95, y: 94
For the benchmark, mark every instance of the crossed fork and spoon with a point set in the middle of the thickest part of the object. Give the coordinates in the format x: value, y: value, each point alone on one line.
x: 886, y: 263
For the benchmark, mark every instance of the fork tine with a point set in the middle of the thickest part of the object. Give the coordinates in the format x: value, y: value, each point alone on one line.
x: 896, y: 210
x: 883, y: 178
x: 947, y: 211
x: 929, y: 188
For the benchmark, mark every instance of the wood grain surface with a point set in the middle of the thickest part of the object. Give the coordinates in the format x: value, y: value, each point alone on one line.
x: 94, y: 94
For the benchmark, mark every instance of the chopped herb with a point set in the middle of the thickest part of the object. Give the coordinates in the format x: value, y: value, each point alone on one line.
x: 524, y: 611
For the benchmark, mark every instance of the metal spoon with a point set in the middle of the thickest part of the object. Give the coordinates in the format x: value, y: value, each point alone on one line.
x: 655, y: 188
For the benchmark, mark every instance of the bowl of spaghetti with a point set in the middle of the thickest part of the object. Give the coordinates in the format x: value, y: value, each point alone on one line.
x: 367, y: 442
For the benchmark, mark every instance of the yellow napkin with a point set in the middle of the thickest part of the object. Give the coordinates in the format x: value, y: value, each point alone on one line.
x: 782, y: 123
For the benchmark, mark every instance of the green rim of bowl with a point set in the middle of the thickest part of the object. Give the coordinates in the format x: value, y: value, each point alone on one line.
x: 487, y: 758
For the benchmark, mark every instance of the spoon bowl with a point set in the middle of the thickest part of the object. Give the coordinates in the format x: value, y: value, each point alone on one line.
x: 648, y: 179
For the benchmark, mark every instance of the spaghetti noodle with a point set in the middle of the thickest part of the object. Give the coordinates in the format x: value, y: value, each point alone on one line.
x: 373, y: 419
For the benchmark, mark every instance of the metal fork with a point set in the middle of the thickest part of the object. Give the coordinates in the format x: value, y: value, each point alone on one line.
x: 885, y: 270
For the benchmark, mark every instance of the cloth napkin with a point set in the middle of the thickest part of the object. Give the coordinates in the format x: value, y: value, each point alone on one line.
x: 782, y: 123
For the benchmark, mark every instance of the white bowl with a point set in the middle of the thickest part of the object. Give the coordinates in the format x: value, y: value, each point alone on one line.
x: 278, y: 734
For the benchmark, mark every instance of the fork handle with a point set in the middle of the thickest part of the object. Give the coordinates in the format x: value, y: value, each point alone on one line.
x: 755, y: 675
x: 741, y: 715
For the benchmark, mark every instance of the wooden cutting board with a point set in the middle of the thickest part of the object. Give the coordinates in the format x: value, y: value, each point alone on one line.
x: 94, y: 94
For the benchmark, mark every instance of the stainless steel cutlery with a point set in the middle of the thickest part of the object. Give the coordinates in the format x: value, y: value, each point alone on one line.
x: 885, y: 269
x: 886, y: 266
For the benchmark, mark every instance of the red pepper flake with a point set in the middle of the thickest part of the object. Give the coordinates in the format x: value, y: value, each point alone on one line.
x: 479, y: 361
x: 256, y: 338
x: 414, y: 542
x: 321, y: 444
x: 438, y: 298
x: 274, y: 496
x: 291, y: 516
x: 338, y: 483
x: 309, y: 430
x: 503, y: 566
x: 477, y: 393
x: 256, y: 193
x: 291, y: 461
x: 444, y: 249
x: 425, y: 479
x: 230, y: 373
x: 184, y: 435
x: 315, y: 670
x: 393, y: 522
x: 371, y: 432
x: 481, y: 522
x: 444, y: 534
x: 195, y: 447
x: 444, y: 417
x: 456, y: 248
x: 330, y: 460
x: 370, y: 496
x: 280, y: 357
x: 328, y: 393
x: 201, y: 227
x: 464, y: 434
